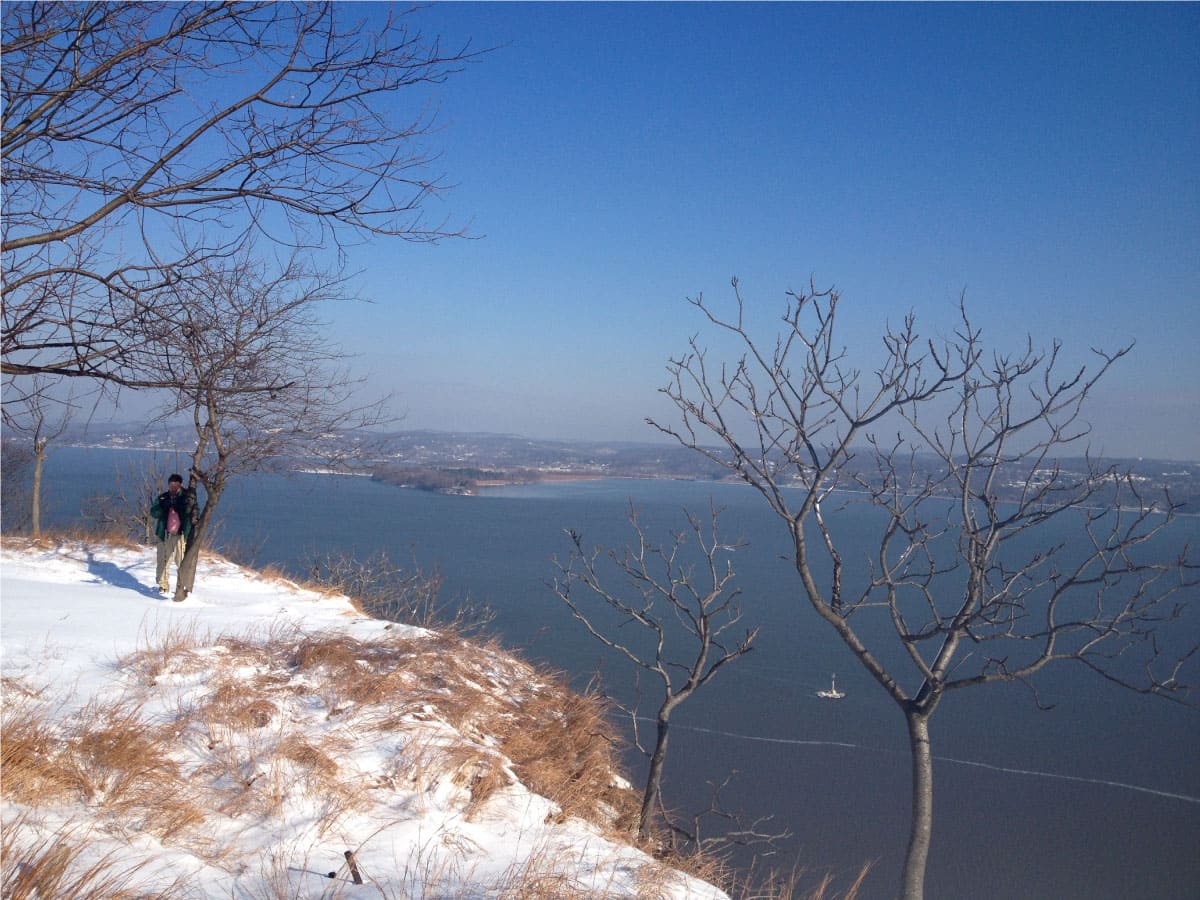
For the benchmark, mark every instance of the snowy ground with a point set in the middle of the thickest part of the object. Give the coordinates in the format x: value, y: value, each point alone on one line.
x: 238, y: 744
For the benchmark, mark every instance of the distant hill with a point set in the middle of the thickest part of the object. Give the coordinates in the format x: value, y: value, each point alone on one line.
x: 461, y: 461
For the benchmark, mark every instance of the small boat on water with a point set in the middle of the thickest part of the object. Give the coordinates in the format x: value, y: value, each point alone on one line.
x: 833, y: 693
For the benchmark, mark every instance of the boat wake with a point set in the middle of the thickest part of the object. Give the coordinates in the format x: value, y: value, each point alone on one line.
x: 1033, y: 773
x: 1101, y: 781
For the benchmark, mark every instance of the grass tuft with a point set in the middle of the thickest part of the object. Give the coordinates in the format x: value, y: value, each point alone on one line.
x: 35, y: 770
x: 36, y: 866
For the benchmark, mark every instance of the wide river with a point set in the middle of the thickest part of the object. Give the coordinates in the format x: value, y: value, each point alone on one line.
x: 1097, y: 797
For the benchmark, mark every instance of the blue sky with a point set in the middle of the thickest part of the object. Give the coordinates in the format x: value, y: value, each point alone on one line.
x: 613, y: 160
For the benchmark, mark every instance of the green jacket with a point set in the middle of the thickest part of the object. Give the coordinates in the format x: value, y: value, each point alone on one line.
x: 185, y: 506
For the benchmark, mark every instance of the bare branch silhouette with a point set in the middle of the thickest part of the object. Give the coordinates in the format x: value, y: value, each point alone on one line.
x: 681, y: 597
x: 952, y: 573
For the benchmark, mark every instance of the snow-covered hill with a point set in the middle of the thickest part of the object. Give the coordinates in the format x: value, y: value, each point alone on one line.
x: 240, y: 743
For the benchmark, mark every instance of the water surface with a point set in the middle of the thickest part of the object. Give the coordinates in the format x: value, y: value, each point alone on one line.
x: 1098, y: 797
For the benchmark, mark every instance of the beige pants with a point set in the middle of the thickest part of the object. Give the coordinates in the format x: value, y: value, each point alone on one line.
x: 170, y: 551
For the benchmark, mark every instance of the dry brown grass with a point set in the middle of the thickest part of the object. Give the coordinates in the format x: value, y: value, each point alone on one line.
x: 711, y: 868
x: 271, y: 573
x: 172, y: 650
x: 106, y: 756
x: 560, y: 744
x: 240, y: 782
x: 659, y: 878
x: 82, y: 533
x: 13, y: 686
x: 796, y: 884
x: 307, y: 756
x: 480, y: 772
x: 564, y: 747
x: 823, y: 889
x: 33, y: 765
x: 119, y: 759
x: 18, y: 542
x: 530, y: 883
x: 233, y: 704
x: 35, y: 867
x: 314, y: 768
x: 549, y: 873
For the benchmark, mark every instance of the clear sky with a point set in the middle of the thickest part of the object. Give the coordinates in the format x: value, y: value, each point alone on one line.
x: 614, y: 160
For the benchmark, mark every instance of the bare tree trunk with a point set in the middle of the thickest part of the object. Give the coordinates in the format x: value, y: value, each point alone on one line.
x: 191, y: 555
x: 39, y: 460
x: 36, y: 502
x: 922, y: 805
x: 654, y: 778
x: 187, y: 566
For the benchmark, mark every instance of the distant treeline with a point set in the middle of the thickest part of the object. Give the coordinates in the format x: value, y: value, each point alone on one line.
x: 456, y: 480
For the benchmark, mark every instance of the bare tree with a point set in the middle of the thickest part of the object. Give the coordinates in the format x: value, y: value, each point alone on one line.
x: 16, y: 464
x: 143, y: 141
x: 41, y: 416
x: 675, y: 600
x: 973, y: 463
x: 389, y: 591
x: 255, y: 375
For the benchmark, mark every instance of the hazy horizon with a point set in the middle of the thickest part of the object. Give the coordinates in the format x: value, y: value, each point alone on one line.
x: 653, y: 439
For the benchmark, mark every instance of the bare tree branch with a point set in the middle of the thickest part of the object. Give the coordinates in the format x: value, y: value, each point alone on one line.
x: 142, y: 141
x: 681, y: 597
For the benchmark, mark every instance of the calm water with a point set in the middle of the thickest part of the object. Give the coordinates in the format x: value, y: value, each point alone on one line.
x: 1064, y: 803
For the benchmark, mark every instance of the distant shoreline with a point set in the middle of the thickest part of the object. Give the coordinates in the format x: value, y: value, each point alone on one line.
x: 463, y: 478
x: 555, y: 477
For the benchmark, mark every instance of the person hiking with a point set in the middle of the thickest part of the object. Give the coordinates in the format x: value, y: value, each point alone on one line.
x: 175, y: 510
